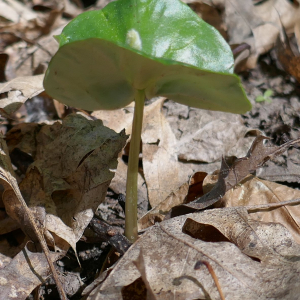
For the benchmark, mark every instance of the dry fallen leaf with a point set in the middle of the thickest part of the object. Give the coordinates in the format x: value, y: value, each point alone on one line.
x: 157, y: 213
x: 70, y: 174
x: 159, y: 146
x: 233, y: 171
x: 22, y: 214
x: 160, y: 163
x: 288, y: 59
x: 18, y: 91
x: 119, y: 187
x: 252, y: 260
x: 257, y: 24
x: 210, y: 135
x: 254, y: 191
x: 16, y: 11
x: 24, y: 272
x: 221, y: 134
x: 65, y: 184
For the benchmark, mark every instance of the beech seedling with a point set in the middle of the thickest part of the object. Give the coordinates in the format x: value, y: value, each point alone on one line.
x: 134, y: 50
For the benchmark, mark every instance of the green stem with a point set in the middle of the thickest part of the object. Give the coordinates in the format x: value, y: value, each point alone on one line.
x: 131, y: 231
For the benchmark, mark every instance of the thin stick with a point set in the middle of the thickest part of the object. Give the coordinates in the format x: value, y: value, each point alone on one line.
x: 131, y: 231
x: 7, y: 175
x: 42, y: 242
x: 212, y: 273
x: 272, y: 205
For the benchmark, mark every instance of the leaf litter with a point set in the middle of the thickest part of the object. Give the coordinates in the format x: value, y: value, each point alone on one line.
x: 66, y: 182
x: 171, y: 249
x: 28, y: 59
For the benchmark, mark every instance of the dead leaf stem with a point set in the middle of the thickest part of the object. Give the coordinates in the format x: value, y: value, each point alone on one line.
x: 211, y: 271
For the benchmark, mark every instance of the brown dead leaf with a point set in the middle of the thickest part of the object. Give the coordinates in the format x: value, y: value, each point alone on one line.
x: 22, y: 136
x: 159, y: 146
x: 157, y: 213
x: 159, y: 154
x: 288, y: 59
x: 22, y: 214
x: 254, y: 191
x: 211, y: 135
x: 257, y: 25
x: 3, y: 61
x: 7, y: 224
x: 18, y: 91
x: 232, y: 172
x: 63, y: 187
x: 252, y: 260
x: 23, y: 273
x: 70, y: 175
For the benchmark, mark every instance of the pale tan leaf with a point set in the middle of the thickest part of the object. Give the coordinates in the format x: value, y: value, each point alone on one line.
x: 157, y: 213
x: 160, y: 162
x: 255, y: 191
x: 210, y: 135
x: 24, y: 272
x: 19, y: 90
x: 16, y: 11
x: 159, y: 148
x: 118, y: 185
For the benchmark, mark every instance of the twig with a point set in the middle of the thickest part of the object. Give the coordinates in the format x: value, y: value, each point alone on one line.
x: 198, y: 265
x: 271, y: 205
x: 42, y: 242
x: 7, y: 175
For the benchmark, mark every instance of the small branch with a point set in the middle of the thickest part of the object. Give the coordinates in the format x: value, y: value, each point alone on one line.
x: 271, y: 205
x: 198, y: 265
x: 42, y: 242
x: 9, y: 180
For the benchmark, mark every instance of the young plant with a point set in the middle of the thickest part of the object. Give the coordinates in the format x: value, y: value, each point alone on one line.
x: 137, y: 49
x: 266, y: 97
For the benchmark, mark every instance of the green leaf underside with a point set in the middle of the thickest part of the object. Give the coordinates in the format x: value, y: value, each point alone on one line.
x: 161, y: 46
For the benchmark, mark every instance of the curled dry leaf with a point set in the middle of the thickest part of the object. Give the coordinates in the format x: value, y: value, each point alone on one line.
x: 18, y: 91
x: 257, y: 25
x: 231, y: 175
x: 289, y: 60
x: 252, y: 260
x: 157, y: 213
x: 184, y: 194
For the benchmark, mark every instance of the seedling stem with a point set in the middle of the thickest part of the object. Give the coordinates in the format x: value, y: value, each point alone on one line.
x: 131, y: 231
